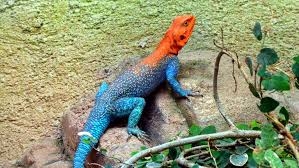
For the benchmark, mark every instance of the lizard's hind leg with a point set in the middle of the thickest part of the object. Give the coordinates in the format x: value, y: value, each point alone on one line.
x: 132, y: 107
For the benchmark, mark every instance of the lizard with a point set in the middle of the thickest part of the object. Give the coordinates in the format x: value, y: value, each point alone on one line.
x: 124, y: 97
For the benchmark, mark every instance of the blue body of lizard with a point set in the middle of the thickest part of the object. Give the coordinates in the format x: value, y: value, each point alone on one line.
x: 125, y: 97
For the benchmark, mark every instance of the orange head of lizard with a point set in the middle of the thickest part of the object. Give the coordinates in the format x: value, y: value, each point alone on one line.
x: 174, y: 40
x: 180, y: 31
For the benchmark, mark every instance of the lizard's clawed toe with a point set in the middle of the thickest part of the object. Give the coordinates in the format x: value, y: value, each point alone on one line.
x: 195, y: 94
x: 138, y: 133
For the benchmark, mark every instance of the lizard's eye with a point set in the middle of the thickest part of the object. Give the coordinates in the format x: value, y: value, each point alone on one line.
x: 186, y: 24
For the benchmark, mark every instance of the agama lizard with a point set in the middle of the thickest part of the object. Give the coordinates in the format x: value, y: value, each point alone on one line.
x: 125, y: 96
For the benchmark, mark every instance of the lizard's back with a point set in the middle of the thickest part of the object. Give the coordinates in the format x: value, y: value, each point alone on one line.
x: 138, y: 81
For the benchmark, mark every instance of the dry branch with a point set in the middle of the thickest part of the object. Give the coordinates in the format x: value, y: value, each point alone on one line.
x: 189, y: 140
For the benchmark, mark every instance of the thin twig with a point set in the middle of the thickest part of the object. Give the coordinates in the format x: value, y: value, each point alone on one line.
x: 182, y: 160
x: 215, y: 92
x: 234, y: 77
x: 288, y: 136
x: 111, y: 157
x: 196, y: 155
x: 96, y: 164
x: 189, y: 140
x: 214, y: 159
x: 255, y: 74
x: 244, y: 74
x: 260, y: 87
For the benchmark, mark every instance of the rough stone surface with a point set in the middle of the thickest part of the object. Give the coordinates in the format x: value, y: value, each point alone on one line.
x: 45, y: 154
x: 291, y: 101
x: 162, y: 119
x: 197, y: 70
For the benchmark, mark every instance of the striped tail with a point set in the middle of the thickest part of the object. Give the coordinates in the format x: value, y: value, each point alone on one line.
x: 95, y: 126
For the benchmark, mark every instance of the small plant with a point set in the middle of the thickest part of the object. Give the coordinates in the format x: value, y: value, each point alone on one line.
x: 272, y: 144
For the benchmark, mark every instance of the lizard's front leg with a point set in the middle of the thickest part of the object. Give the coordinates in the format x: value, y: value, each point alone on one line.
x: 104, y: 86
x: 132, y: 107
x: 171, y: 75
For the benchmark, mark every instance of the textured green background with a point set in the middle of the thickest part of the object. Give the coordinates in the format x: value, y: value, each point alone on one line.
x: 50, y: 51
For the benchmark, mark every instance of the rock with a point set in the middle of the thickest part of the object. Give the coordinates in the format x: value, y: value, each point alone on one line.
x: 290, y: 100
x: 196, y: 73
x: 162, y: 119
x: 46, y: 154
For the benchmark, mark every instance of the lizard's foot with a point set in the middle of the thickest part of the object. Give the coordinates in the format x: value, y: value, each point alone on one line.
x: 138, y: 133
x: 189, y: 93
x: 195, y: 94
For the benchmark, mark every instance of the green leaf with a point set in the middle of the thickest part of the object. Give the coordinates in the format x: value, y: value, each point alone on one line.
x: 241, y: 149
x: 295, y: 69
x: 284, y: 112
x: 273, y: 159
x: 194, y: 130
x: 223, y: 160
x: 134, y: 153
x: 255, y: 125
x: 174, y: 164
x: 215, y: 153
x: 166, y: 152
x: 268, y: 104
x: 251, y: 162
x: 209, y: 130
x: 141, y: 163
x: 143, y: 148
x: 174, y: 152
x: 291, y: 163
x: 238, y: 160
x: 158, y: 158
x: 195, y: 166
x: 296, y: 59
x: 295, y: 131
x: 243, y: 126
x: 254, y: 91
x: 187, y: 146
x: 258, y: 155
x: 262, y: 72
x: 269, y: 137
x: 267, y: 56
x: 279, y: 150
x: 108, y: 166
x: 296, y: 135
x: 103, y: 151
x: 279, y: 82
x: 153, y: 165
x: 249, y: 64
x: 257, y: 31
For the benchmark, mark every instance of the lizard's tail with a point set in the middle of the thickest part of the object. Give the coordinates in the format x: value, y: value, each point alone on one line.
x: 94, y: 128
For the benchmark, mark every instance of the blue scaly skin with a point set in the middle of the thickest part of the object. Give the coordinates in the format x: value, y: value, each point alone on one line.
x: 125, y: 96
